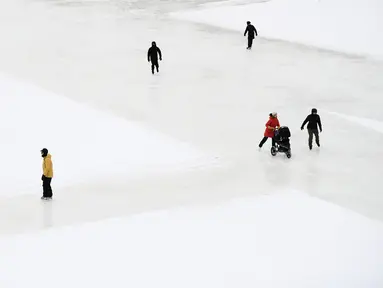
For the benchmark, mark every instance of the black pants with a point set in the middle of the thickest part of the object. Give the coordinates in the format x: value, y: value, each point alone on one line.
x: 155, y: 64
x: 47, y: 189
x: 249, y: 42
x: 264, y: 139
x: 316, y: 134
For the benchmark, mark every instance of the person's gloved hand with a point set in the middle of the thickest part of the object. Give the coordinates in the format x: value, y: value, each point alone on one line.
x: 301, y: 128
x: 320, y: 130
x: 160, y: 59
x: 42, y: 177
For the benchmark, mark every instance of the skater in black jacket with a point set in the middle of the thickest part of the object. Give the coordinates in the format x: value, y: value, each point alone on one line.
x: 314, y: 121
x: 250, y: 37
x: 153, y: 53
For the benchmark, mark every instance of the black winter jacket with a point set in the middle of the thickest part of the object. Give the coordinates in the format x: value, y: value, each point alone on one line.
x: 152, y: 54
x: 314, y: 122
x: 251, y: 30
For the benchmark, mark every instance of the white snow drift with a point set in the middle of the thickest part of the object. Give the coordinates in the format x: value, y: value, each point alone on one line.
x: 287, y: 240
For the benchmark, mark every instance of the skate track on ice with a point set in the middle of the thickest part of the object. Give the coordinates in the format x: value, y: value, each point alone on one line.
x: 219, y: 105
x: 251, y: 212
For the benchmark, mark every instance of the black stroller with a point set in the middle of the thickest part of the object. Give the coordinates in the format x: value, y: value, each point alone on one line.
x: 282, y: 142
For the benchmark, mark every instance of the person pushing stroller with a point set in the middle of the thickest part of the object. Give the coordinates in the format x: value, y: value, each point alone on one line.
x: 314, y: 121
x: 271, y: 126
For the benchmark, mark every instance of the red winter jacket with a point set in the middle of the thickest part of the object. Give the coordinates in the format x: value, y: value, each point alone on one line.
x: 273, y: 122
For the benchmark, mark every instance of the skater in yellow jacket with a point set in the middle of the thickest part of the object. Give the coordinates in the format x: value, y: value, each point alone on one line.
x: 47, y: 174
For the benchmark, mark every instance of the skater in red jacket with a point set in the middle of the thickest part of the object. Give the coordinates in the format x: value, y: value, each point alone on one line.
x: 271, y: 125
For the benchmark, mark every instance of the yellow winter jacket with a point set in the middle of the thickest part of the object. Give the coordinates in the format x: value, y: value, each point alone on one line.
x: 48, y: 166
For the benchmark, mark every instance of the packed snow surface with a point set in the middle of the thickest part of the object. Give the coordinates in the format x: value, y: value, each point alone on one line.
x: 287, y: 240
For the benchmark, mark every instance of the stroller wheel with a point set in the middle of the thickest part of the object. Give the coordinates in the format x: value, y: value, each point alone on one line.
x: 288, y: 154
x: 273, y: 151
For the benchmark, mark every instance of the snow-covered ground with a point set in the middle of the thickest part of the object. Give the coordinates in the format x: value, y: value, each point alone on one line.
x: 351, y: 26
x: 194, y: 202
x: 285, y: 240
x: 85, y: 144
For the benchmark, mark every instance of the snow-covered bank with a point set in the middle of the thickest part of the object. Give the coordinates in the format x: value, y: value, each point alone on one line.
x: 347, y: 26
x: 287, y: 240
x: 85, y: 144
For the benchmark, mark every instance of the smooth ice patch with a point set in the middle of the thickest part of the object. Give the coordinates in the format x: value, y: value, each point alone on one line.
x: 365, y: 122
x: 85, y: 144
